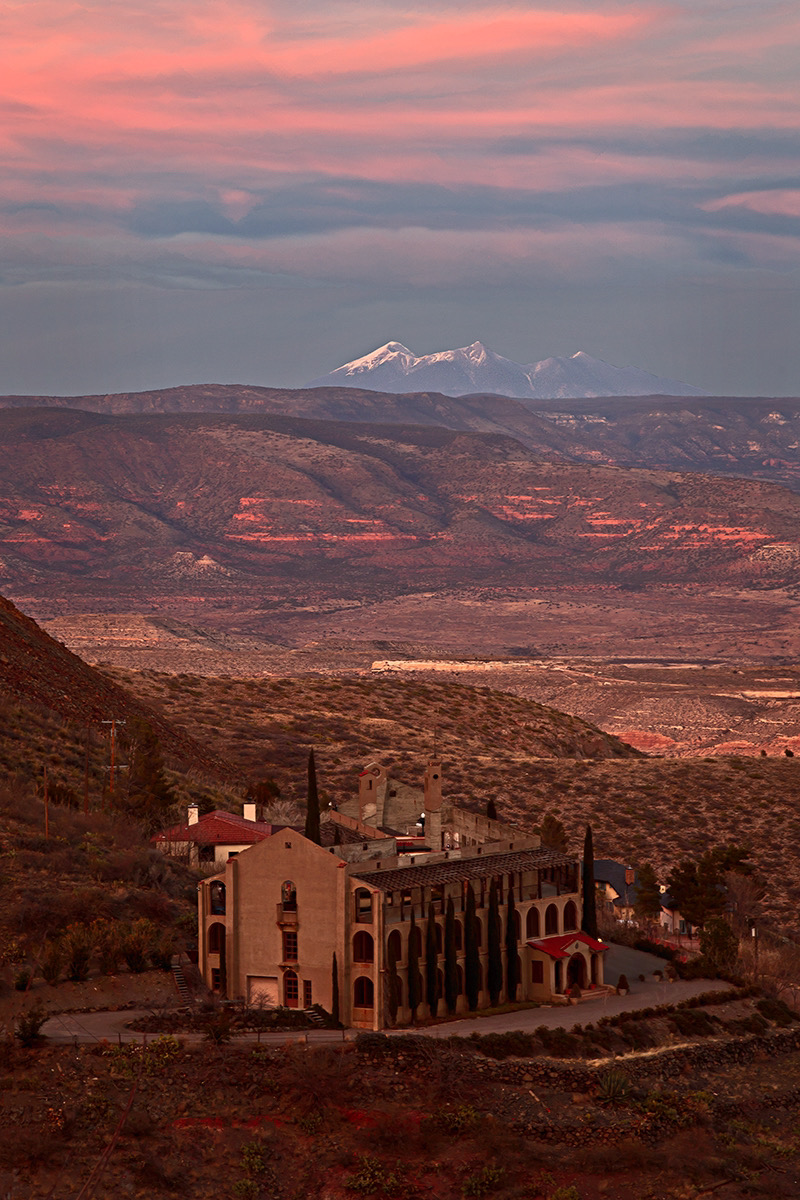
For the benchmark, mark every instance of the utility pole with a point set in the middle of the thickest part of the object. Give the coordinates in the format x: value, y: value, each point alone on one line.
x: 86, y: 771
x: 113, y: 722
x: 46, y: 806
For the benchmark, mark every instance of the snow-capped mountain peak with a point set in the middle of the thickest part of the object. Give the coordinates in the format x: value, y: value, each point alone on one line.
x: 475, y: 368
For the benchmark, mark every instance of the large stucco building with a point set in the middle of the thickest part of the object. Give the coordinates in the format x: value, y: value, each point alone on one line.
x: 286, y: 913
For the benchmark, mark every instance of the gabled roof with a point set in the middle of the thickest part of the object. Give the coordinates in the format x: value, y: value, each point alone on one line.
x: 556, y: 946
x: 219, y: 828
x: 613, y: 873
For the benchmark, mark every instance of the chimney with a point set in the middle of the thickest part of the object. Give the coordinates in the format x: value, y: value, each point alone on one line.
x: 249, y: 811
x: 433, y: 787
x: 193, y: 814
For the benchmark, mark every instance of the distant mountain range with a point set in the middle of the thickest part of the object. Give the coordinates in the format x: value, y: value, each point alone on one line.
x: 131, y: 512
x: 472, y: 369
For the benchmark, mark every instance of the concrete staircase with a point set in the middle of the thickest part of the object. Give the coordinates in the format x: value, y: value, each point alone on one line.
x: 180, y: 982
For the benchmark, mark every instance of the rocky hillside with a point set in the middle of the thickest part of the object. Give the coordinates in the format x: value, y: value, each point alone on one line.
x: 267, y: 727
x: 246, y: 508
x: 755, y: 437
x: 50, y: 698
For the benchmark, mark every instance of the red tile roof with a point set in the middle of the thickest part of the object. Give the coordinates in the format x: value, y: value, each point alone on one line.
x: 218, y: 828
x: 556, y: 946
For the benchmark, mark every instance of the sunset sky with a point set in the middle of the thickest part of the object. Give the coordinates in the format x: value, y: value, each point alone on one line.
x: 257, y: 190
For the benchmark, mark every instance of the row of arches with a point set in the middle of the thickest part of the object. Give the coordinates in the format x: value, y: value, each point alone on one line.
x: 364, y: 945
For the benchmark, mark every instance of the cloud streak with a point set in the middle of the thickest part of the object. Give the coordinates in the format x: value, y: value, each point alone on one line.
x: 235, y: 144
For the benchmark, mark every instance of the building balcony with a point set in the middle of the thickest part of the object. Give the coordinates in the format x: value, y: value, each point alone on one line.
x: 286, y: 916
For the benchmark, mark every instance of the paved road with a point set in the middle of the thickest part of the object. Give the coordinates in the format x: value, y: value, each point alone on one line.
x: 110, y: 1026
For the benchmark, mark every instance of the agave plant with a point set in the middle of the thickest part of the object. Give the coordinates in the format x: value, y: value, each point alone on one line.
x: 613, y: 1087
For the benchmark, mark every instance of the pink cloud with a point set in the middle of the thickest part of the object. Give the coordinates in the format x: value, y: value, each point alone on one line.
x: 783, y: 202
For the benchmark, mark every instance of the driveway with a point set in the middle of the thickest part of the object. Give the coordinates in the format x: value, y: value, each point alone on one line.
x: 74, y: 1028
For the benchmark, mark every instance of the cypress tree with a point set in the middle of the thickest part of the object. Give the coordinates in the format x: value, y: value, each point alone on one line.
x: 472, y: 958
x: 312, y: 809
x: 512, y: 965
x: 431, y: 974
x: 495, y: 963
x: 589, y: 922
x: 491, y: 810
x: 413, y: 968
x: 393, y: 981
x: 335, y: 990
x: 450, y: 965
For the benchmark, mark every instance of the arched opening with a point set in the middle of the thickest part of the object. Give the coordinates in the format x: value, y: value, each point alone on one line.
x: 363, y: 947
x: 218, y: 899
x: 363, y: 906
x: 551, y: 920
x: 532, y: 929
x: 458, y: 934
x: 216, y: 945
x: 363, y: 992
x: 576, y: 971
x: 216, y: 938
x: 288, y: 896
x: 394, y: 947
x: 291, y: 989
x: 570, y: 916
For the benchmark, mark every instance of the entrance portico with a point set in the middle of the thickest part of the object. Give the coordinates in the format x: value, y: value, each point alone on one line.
x: 568, y: 959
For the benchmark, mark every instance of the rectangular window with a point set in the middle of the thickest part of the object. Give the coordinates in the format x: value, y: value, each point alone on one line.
x: 537, y: 972
x: 307, y: 1001
x: 290, y: 946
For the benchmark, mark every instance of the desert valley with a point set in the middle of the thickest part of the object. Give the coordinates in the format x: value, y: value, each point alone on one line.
x: 580, y: 614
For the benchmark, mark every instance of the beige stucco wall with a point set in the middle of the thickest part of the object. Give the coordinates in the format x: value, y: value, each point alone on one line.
x: 255, y: 937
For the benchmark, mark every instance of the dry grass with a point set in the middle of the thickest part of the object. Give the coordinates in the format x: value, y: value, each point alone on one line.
x: 529, y: 758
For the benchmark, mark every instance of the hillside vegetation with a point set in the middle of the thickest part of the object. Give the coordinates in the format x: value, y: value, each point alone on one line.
x: 255, y: 509
x: 267, y: 727
x: 493, y: 745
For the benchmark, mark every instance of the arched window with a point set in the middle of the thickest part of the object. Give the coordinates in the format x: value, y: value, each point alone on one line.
x: 363, y: 947
x: 551, y: 920
x: 218, y: 899
x: 570, y: 916
x: 216, y: 938
x: 363, y: 906
x: 532, y: 922
x: 291, y: 989
x: 363, y: 993
x: 288, y: 896
x: 458, y: 933
x: 394, y: 946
